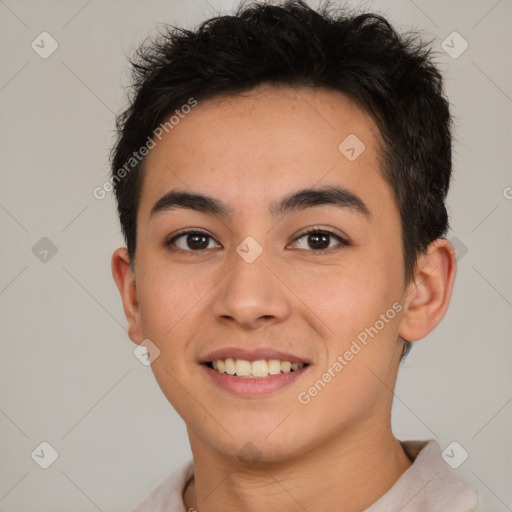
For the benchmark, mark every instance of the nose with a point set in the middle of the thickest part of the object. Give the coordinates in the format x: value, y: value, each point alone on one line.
x: 252, y: 294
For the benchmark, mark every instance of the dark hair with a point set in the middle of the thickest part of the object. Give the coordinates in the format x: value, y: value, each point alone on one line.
x: 390, y: 76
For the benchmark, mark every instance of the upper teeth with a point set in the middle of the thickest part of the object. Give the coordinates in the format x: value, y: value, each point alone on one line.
x: 259, y: 368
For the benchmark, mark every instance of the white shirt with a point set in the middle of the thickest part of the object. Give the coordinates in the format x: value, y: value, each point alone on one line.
x: 426, y: 486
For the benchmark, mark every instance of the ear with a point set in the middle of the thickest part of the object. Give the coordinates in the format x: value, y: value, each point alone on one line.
x: 125, y: 281
x: 429, y: 293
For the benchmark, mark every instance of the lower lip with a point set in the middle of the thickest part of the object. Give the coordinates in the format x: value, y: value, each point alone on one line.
x: 251, y: 387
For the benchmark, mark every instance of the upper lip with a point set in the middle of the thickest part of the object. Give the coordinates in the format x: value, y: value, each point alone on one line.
x: 254, y: 354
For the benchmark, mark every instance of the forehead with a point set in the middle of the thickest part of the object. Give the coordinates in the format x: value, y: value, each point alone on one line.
x: 267, y: 142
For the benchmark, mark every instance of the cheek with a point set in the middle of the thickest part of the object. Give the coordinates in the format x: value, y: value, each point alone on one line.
x: 360, y: 349
x: 172, y: 307
x: 362, y: 316
x: 174, y: 303
x: 168, y: 299
x: 346, y: 299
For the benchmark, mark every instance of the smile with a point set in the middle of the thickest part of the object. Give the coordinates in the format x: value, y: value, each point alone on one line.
x: 261, y: 368
x: 251, y: 379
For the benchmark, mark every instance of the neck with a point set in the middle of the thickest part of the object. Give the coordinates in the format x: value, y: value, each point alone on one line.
x: 349, y: 472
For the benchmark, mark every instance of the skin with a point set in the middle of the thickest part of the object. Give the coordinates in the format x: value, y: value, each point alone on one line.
x: 337, y: 452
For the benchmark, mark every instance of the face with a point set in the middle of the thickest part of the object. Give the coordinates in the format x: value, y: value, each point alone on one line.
x: 265, y: 271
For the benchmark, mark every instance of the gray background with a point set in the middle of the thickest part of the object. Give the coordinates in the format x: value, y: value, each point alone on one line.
x: 68, y: 374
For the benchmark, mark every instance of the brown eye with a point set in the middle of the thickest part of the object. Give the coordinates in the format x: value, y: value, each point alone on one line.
x: 196, y: 241
x: 191, y: 241
x: 320, y: 240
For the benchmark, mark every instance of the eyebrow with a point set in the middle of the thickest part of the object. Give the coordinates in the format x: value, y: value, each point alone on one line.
x: 300, y: 200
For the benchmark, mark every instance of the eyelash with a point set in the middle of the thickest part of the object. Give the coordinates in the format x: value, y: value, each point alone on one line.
x: 343, y: 242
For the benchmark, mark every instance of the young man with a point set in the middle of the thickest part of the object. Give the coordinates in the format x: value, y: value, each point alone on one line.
x: 281, y: 177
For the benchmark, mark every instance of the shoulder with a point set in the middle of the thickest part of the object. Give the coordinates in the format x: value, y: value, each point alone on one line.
x: 168, y: 495
x: 428, y: 485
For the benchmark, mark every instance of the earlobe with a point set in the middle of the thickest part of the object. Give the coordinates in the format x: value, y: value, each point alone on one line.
x: 428, y: 296
x: 125, y: 281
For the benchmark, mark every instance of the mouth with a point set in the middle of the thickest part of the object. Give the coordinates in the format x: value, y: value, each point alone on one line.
x: 258, y: 369
x: 253, y: 372
x: 257, y: 378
